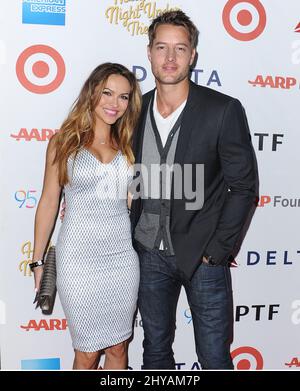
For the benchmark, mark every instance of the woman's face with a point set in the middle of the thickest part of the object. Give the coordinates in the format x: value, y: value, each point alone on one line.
x: 113, y: 101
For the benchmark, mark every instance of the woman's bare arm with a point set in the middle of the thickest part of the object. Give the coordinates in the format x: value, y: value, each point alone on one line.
x: 46, y: 210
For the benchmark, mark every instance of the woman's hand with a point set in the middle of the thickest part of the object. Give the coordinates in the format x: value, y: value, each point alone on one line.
x: 37, y: 271
x: 62, y: 211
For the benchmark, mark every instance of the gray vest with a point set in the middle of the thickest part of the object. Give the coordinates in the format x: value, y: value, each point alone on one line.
x: 153, y: 228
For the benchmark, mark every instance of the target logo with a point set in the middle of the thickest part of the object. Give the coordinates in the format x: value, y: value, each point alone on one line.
x: 244, y: 20
x: 40, y: 69
x: 247, y: 357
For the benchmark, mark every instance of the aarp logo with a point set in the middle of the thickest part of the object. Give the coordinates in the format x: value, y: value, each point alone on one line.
x: 40, y: 69
x: 244, y: 20
x: 295, y: 362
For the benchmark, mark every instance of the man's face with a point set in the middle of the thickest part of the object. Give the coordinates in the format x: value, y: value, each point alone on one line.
x: 171, y: 54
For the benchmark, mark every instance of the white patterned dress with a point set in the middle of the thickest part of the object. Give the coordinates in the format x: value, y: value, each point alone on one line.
x: 97, y: 267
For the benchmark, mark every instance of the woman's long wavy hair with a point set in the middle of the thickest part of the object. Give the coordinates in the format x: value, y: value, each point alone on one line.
x: 77, y: 131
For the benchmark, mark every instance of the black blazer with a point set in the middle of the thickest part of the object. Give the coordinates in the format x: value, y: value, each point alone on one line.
x: 214, y: 132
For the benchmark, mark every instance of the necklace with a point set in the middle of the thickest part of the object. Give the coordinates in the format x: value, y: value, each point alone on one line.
x: 104, y: 142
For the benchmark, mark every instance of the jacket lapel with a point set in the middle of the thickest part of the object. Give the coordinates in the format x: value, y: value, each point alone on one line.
x: 138, y: 136
x: 187, y: 123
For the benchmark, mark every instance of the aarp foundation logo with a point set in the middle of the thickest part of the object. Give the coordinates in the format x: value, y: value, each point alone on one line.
x: 40, y: 69
x: 135, y: 15
x: 247, y: 357
x: 244, y: 20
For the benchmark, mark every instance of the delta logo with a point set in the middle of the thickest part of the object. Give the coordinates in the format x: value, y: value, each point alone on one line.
x: 273, y: 257
x: 277, y: 82
x: 34, y: 134
x: 297, y: 29
x: 295, y: 362
x: 47, y: 325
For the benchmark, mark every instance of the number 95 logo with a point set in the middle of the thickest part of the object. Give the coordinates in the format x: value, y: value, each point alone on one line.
x: 25, y: 198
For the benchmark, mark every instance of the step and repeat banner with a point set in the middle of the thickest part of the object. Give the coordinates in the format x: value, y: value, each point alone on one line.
x: 248, y: 49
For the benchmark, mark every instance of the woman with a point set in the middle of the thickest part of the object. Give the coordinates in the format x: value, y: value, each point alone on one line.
x: 97, y: 267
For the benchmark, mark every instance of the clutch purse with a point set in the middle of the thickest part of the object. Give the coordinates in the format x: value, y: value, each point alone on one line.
x: 45, y: 297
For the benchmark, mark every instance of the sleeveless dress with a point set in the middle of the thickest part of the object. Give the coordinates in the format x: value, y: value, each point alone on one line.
x: 97, y: 267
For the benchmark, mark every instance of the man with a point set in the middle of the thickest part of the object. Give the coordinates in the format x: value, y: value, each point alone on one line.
x: 178, y: 244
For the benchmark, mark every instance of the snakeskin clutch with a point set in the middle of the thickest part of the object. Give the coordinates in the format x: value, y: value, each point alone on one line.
x: 45, y: 297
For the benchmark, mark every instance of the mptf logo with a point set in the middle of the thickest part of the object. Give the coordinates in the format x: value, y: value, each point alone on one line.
x: 247, y: 357
x: 34, y: 134
x: 50, y: 12
x: 40, y: 69
x: 244, y: 20
x: 274, y: 82
x: 273, y: 142
x: 256, y: 311
x: 47, y: 325
x: 297, y: 29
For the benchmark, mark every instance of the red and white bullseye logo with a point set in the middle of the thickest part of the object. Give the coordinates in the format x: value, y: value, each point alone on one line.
x: 40, y: 69
x: 244, y: 20
x: 247, y: 357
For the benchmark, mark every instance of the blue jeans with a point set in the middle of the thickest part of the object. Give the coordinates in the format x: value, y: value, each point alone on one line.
x: 210, y: 299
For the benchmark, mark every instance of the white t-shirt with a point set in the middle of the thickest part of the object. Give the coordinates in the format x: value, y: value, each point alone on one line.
x: 164, y: 125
